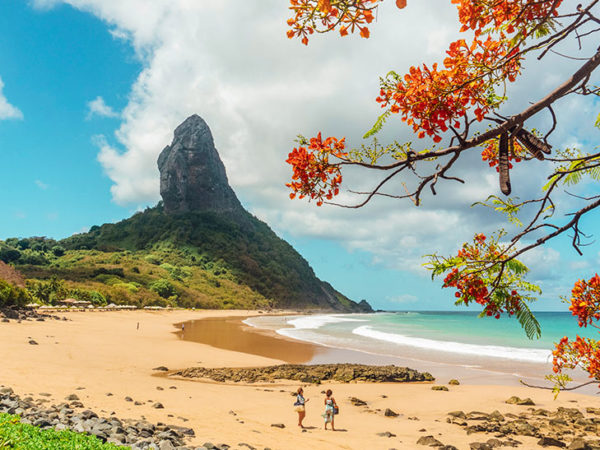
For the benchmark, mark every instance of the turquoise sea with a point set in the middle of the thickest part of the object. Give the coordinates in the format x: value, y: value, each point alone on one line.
x: 485, y: 346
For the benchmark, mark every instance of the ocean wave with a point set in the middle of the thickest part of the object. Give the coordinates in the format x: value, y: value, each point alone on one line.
x: 315, y: 322
x: 491, y: 351
x: 250, y: 322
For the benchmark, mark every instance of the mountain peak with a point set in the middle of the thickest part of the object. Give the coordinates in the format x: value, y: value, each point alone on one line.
x: 192, y: 175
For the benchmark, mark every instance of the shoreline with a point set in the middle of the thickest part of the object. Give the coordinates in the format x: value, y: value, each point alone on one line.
x: 441, y: 369
x: 92, y: 355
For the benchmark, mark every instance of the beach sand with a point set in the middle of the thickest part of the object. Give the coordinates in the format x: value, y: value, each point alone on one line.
x: 105, y: 352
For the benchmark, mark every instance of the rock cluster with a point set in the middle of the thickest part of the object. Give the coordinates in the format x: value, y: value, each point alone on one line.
x: 71, y: 415
x: 192, y: 176
x: 308, y: 373
x: 16, y: 313
x: 565, y: 427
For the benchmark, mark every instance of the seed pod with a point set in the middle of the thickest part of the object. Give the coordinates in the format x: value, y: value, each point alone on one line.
x: 503, y: 164
x: 533, y: 144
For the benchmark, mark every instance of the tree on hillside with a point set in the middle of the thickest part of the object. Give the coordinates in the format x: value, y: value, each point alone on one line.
x: 454, y: 107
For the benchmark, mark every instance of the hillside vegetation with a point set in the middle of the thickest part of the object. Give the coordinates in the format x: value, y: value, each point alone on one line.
x: 197, y: 259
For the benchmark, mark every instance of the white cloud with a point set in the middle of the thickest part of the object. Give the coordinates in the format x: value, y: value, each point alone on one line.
x: 44, y: 4
x: 43, y: 186
x: 544, y: 263
x: 8, y: 111
x: 403, y: 299
x: 98, y: 107
x: 256, y: 89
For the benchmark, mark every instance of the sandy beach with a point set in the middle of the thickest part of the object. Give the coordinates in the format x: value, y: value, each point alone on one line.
x: 97, y: 353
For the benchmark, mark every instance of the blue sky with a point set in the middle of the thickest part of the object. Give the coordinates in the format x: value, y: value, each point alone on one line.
x: 94, y: 90
x: 52, y: 183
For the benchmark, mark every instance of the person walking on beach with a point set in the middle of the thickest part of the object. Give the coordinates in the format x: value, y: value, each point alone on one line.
x: 331, y: 409
x: 300, y: 408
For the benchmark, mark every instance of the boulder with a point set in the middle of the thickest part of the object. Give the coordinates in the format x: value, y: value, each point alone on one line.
x: 547, y: 441
x: 429, y: 441
x: 386, y: 434
x: 389, y: 413
x: 514, y: 400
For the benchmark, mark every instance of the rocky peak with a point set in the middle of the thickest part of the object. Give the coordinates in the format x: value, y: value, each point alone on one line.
x: 192, y: 175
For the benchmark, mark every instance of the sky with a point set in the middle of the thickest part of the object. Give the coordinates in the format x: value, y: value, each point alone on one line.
x: 91, y: 91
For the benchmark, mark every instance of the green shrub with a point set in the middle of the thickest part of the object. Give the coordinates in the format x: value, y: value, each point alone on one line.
x: 176, y: 272
x: 32, y: 257
x: 164, y: 288
x: 117, y: 271
x: 131, y: 287
x: 47, y: 291
x: 95, y: 297
x: 152, y: 259
x: 9, y: 254
x: 21, y: 436
x: 12, y: 295
x: 58, y: 250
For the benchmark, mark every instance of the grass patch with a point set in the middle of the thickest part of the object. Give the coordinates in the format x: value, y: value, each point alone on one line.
x: 20, y: 436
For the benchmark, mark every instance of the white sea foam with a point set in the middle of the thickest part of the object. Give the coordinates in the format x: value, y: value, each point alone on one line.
x: 316, y: 322
x: 250, y: 322
x: 491, y: 351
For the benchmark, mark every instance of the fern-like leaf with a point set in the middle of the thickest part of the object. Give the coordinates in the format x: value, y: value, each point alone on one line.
x: 528, y: 322
x: 378, y: 125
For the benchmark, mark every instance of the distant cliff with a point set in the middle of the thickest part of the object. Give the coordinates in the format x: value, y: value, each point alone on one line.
x: 201, y: 221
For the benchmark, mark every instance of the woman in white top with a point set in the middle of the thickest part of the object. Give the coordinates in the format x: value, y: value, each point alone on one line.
x: 300, y: 408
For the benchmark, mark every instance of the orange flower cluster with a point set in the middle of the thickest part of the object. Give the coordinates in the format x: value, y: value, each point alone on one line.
x: 507, y: 14
x: 582, y: 352
x: 313, y: 175
x: 585, y: 301
x: 490, y: 153
x: 432, y: 99
x: 325, y: 15
x: 471, y: 287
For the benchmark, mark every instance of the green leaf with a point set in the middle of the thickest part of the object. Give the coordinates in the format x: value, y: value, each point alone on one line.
x: 517, y: 266
x: 378, y: 125
x: 528, y: 322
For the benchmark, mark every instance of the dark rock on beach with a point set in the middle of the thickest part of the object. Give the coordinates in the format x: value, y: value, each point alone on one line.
x: 309, y: 373
x: 429, y: 441
x: 390, y: 413
x: 514, y: 400
x: 134, y: 434
x: 357, y: 401
x: 19, y: 313
x: 386, y: 434
x: 562, y: 428
x: 546, y: 441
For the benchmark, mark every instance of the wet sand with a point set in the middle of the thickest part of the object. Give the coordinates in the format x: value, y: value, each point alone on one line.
x: 105, y: 353
x: 230, y: 333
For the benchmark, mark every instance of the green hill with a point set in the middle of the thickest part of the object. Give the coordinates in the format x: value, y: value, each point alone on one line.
x: 195, y: 259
